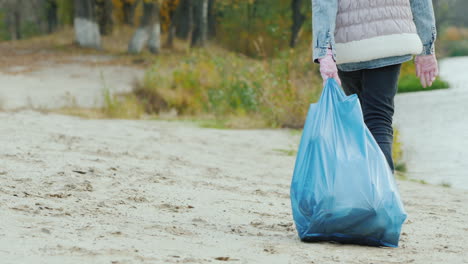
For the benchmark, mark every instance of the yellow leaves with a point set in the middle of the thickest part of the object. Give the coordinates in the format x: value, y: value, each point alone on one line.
x: 120, y: 3
x: 167, y: 8
x: 118, y: 6
x: 117, y: 3
x: 453, y: 34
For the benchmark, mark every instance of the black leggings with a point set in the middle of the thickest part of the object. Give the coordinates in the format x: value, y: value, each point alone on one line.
x: 376, y: 89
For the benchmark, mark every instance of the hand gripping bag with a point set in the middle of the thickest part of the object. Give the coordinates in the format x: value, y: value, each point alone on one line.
x: 342, y: 188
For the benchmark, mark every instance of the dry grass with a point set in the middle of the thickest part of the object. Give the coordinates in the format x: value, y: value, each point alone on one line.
x: 231, y: 86
x: 29, y: 54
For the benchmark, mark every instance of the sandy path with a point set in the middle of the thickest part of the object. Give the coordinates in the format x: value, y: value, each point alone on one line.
x: 52, y: 85
x: 434, y: 128
x: 109, y: 191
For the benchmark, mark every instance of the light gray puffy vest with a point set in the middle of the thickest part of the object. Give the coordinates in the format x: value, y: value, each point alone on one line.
x: 374, y: 29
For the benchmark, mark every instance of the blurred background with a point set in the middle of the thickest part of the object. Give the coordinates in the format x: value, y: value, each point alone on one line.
x: 221, y: 63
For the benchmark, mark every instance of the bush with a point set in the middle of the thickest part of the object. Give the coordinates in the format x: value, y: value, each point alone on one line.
x: 121, y: 106
x: 259, y: 28
x: 224, y: 84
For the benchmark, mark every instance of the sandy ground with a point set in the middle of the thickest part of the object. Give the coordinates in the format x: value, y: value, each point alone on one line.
x: 113, y: 191
x: 94, y: 191
x: 434, y: 127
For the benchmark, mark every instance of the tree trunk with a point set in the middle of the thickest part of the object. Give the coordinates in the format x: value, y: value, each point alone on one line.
x: 13, y: 18
x: 52, y: 16
x: 86, y: 29
x: 154, y: 42
x: 104, y: 16
x: 170, y: 34
x: 200, y: 19
x: 129, y: 12
x: 190, y: 18
x: 211, y: 19
x: 16, y: 24
x: 183, y: 19
x: 149, y: 31
x: 298, y: 20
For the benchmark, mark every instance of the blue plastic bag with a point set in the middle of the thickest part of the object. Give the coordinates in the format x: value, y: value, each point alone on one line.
x: 343, y: 189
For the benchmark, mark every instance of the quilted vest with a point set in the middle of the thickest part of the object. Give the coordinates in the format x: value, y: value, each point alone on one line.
x: 374, y: 29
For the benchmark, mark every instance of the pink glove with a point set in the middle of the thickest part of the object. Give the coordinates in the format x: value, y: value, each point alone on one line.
x: 328, y: 68
x: 426, y: 69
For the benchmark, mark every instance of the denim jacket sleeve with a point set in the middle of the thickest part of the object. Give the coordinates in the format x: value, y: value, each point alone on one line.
x: 424, y: 18
x: 323, y: 21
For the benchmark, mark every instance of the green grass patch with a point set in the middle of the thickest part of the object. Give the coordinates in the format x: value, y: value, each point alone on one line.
x: 401, y: 166
x: 421, y: 181
x: 286, y: 152
x: 295, y: 132
x: 457, y: 48
x: 446, y: 184
x: 227, y: 122
x: 409, y: 82
x: 404, y: 177
x: 213, y: 123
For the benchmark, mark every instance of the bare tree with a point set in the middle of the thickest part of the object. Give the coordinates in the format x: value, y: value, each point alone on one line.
x: 86, y: 28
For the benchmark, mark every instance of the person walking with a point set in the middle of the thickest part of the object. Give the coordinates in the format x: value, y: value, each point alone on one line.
x: 362, y: 44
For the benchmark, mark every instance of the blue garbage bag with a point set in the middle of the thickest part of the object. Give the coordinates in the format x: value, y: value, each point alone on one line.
x: 343, y: 189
